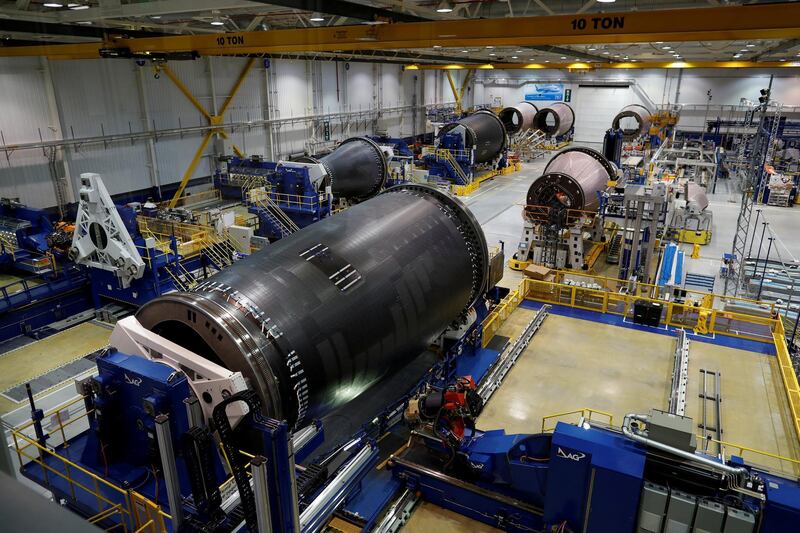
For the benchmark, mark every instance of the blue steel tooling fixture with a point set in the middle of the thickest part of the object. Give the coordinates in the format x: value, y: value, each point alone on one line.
x: 587, y: 477
x: 315, y: 319
x: 482, y: 130
x: 476, y: 142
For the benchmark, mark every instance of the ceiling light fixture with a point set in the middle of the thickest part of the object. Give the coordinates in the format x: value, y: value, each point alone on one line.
x: 519, y: 51
x: 592, y: 48
x: 606, y: 1
x: 492, y: 54
x: 445, y: 7
x: 514, y: 57
x: 659, y: 42
x: 465, y: 51
x: 666, y: 48
x: 156, y: 17
x: 563, y: 57
x: 737, y: 56
x: 606, y: 52
x: 437, y: 46
x: 79, y: 7
x: 85, y: 22
x: 750, y: 45
x: 316, y: 17
x: 490, y: 47
x: 216, y: 21
x: 546, y: 60
x: 52, y: 4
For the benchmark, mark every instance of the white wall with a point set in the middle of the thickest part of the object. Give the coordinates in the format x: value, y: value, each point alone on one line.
x: 25, y: 113
x: 661, y: 86
x: 90, y: 98
x: 62, y: 99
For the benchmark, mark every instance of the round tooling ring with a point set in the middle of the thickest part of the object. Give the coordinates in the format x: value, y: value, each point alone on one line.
x: 636, y: 111
x: 470, y: 228
x: 558, y: 128
x: 549, y: 184
x: 607, y: 165
x: 514, y: 117
x: 231, y: 339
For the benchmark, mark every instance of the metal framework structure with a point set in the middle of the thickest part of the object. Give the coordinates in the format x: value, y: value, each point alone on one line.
x: 761, y: 21
x: 753, y: 182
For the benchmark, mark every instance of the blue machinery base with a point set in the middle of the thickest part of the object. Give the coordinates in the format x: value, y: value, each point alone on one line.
x: 586, y: 478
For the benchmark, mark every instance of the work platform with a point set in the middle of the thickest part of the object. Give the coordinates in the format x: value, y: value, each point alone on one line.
x: 579, y: 364
x: 37, y: 359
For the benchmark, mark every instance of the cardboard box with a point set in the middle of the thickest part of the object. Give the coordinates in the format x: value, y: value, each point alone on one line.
x: 538, y: 272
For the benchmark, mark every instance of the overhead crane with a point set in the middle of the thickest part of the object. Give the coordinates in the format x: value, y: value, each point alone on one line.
x: 761, y: 21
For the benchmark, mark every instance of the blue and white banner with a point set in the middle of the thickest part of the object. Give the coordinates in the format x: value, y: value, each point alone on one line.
x: 545, y: 91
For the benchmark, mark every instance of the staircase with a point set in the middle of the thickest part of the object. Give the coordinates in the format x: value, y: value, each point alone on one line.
x: 219, y: 251
x: 456, y: 168
x: 182, y: 278
x: 612, y: 257
x: 271, y: 213
x: 699, y: 281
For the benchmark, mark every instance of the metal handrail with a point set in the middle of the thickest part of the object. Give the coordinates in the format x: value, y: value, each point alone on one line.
x: 125, y: 508
x: 8, y: 246
x: 585, y: 412
x: 498, y: 315
x: 677, y: 315
x: 263, y: 199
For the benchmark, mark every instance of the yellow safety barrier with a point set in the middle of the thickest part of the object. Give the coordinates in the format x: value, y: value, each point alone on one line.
x: 700, y: 316
x: 677, y: 315
x: 133, y: 511
x: 499, y: 314
x: 188, y: 200
x: 740, y: 450
x: 585, y: 413
x: 788, y: 375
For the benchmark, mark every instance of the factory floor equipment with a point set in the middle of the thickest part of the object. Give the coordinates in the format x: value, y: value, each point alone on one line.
x: 574, y: 365
x: 45, y: 356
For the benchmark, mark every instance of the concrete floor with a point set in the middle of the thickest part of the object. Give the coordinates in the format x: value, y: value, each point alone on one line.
x: 754, y: 409
x: 574, y: 363
x: 35, y: 359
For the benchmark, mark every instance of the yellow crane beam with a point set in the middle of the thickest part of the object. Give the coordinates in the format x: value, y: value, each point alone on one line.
x: 624, y: 65
x: 755, y: 21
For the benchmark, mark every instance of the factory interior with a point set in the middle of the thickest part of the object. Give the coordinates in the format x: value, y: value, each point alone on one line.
x: 340, y: 266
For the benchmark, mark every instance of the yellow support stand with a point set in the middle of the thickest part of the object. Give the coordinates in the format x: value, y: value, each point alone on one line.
x: 466, y: 190
x: 702, y: 322
x: 515, y: 264
x: 696, y: 251
x: 695, y: 237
